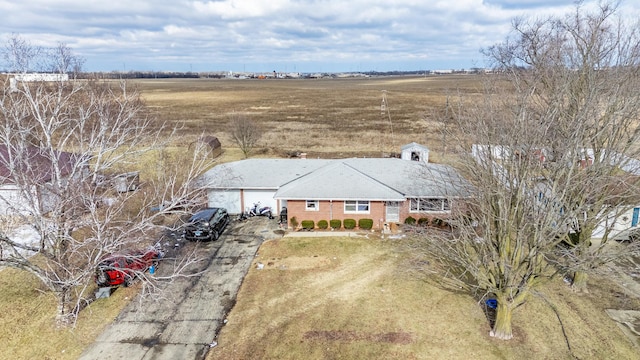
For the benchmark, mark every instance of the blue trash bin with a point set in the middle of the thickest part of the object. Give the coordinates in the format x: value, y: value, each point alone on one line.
x: 491, y: 303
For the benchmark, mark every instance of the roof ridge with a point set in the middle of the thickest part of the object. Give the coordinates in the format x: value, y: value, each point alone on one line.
x: 330, y: 169
x: 374, y: 179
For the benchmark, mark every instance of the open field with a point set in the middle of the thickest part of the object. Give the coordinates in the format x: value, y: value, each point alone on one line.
x: 351, y: 298
x: 323, y: 117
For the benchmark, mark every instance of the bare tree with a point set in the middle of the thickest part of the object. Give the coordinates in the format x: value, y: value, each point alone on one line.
x: 503, y: 232
x: 585, y: 71
x: 19, y: 55
x: 557, y: 126
x: 245, y: 132
x: 57, y: 141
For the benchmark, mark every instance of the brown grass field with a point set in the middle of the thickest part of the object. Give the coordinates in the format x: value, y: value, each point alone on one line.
x: 333, y: 298
x: 322, y: 117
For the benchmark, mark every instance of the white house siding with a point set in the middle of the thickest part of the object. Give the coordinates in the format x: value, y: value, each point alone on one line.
x: 9, y: 197
x: 11, y: 201
x: 618, y: 224
x: 229, y: 199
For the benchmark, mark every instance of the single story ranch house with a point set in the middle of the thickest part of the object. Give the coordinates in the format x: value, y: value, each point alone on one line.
x: 386, y: 190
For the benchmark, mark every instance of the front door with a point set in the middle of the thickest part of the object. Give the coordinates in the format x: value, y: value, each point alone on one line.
x: 392, y: 212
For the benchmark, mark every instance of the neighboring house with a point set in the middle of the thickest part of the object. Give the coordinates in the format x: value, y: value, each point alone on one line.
x: 618, y: 222
x: 34, y: 169
x: 386, y: 190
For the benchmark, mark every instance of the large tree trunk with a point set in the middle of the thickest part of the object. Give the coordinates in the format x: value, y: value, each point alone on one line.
x: 579, y: 282
x: 64, y: 312
x: 502, y: 326
x: 580, y: 278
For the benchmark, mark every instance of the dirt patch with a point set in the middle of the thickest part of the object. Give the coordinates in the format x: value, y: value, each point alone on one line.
x: 402, y: 338
x: 296, y: 263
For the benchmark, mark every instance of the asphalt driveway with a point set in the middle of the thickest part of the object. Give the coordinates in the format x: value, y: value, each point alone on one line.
x: 183, y: 321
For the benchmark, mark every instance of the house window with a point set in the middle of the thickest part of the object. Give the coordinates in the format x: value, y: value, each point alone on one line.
x: 358, y: 206
x: 312, y: 205
x: 429, y: 205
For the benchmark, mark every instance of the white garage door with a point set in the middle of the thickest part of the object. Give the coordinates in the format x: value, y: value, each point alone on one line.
x: 264, y: 197
x: 229, y: 199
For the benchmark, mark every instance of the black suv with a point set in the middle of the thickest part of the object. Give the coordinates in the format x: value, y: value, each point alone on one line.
x: 206, y: 224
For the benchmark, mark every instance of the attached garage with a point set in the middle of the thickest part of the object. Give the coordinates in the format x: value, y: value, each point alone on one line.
x: 237, y: 201
x: 236, y: 186
x: 264, y: 197
x: 229, y: 199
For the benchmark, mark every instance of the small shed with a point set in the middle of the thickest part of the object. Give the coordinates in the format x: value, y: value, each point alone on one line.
x: 213, y: 143
x: 415, y: 152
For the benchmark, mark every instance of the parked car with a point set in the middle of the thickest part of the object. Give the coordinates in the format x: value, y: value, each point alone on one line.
x: 123, y: 268
x: 207, y: 224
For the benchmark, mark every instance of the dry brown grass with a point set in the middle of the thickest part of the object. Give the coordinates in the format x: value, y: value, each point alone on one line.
x: 28, y: 328
x: 330, y: 298
x: 323, y: 117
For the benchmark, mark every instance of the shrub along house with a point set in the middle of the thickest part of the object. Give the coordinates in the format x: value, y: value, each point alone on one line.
x: 385, y: 190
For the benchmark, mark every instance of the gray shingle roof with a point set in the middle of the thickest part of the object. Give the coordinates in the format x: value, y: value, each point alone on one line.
x: 414, y: 178
x: 388, y: 179
x: 259, y: 173
x: 337, y: 181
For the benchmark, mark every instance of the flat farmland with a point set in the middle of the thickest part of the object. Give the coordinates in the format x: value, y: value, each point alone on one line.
x: 322, y: 117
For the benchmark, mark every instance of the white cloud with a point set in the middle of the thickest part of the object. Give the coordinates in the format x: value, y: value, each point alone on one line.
x: 256, y: 34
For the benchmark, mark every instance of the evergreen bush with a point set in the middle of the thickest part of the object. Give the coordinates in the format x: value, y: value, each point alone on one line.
x: 308, y: 224
x: 365, y: 224
x: 410, y: 221
x: 349, y: 224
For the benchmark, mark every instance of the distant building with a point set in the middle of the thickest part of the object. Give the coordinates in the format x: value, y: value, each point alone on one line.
x: 34, y: 77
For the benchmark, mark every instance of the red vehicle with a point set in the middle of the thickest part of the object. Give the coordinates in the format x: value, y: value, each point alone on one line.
x: 123, y: 268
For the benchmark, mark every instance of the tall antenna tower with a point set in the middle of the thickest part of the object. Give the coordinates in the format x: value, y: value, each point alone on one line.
x: 445, y: 121
x: 385, y: 112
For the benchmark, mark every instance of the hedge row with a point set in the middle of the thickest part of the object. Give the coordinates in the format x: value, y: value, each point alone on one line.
x: 425, y: 221
x: 364, y: 224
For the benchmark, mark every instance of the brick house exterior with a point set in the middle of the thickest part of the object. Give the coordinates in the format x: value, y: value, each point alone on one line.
x: 329, y: 210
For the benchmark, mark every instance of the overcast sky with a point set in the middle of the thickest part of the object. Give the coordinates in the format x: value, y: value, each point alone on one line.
x: 280, y: 35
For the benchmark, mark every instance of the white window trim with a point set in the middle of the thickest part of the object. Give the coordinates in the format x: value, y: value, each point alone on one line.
x: 314, y: 208
x: 357, y: 203
x: 442, y: 210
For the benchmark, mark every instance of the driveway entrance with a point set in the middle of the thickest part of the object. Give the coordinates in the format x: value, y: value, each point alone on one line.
x: 186, y: 321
